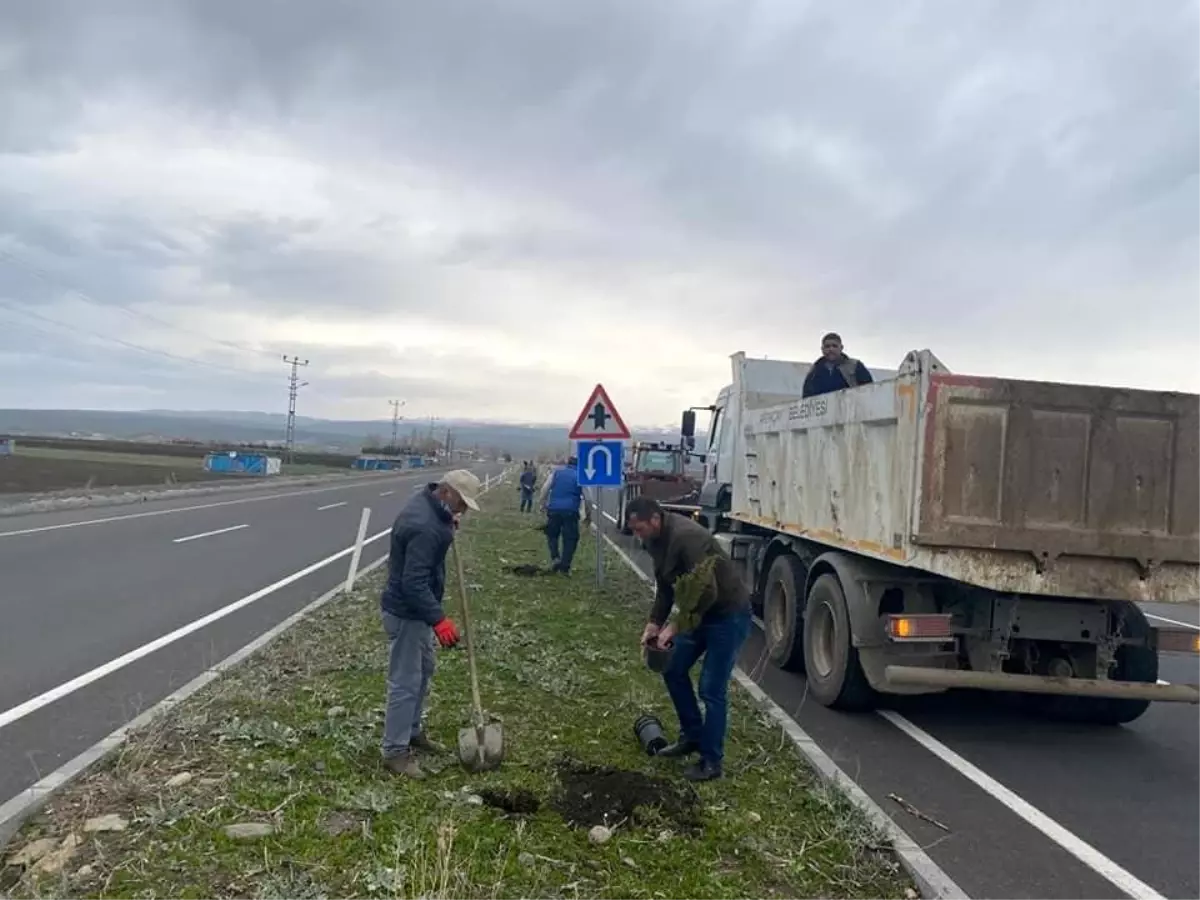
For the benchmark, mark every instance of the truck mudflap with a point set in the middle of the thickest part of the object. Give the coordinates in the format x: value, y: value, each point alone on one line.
x: 921, y: 676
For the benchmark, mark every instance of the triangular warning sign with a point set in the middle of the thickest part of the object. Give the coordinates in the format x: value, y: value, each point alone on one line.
x: 599, y: 419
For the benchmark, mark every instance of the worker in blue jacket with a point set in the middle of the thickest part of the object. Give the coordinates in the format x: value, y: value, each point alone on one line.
x: 834, y: 371
x: 528, y: 482
x: 561, y: 500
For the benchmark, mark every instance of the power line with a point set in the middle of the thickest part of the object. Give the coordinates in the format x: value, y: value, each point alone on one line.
x: 43, y: 275
x: 130, y: 345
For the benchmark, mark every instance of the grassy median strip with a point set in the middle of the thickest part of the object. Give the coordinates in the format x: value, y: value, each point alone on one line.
x: 268, y: 783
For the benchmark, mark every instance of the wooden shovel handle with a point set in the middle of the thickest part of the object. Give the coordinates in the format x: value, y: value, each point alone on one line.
x: 466, y: 612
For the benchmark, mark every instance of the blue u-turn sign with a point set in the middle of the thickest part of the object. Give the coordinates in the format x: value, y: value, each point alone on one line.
x: 600, y: 463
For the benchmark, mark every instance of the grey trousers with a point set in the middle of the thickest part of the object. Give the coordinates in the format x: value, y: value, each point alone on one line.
x: 410, y: 669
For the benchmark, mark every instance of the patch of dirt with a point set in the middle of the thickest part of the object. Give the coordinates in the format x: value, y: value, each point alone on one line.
x: 35, y: 474
x: 526, y: 570
x: 518, y: 801
x: 603, y: 795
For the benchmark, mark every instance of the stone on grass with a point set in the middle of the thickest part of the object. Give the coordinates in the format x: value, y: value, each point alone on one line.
x: 526, y: 859
x: 86, y: 871
x: 334, y: 711
x: 176, y: 781
x: 109, y: 822
x: 754, y: 817
x: 54, y: 861
x: 32, y: 852
x: 599, y: 834
x: 248, y: 830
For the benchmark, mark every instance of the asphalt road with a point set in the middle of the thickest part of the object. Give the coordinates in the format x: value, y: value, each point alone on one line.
x: 1132, y: 793
x: 81, y: 589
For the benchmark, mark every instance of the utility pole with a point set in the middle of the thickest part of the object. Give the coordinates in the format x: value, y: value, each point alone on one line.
x: 396, y: 404
x: 294, y: 385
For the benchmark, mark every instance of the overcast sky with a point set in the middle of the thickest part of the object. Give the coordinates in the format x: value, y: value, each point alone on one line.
x: 484, y: 208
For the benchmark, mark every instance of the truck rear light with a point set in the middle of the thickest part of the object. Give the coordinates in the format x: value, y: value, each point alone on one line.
x: 1178, y: 641
x: 919, y: 627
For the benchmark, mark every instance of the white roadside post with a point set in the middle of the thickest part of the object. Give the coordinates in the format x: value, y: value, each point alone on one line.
x: 358, y: 545
x: 599, y: 432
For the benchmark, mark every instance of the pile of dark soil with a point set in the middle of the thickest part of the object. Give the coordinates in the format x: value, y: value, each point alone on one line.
x: 518, y: 801
x: 525, y: 570
x: 602, y: 795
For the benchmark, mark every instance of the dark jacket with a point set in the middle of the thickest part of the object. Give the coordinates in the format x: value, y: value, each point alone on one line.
x: 421, y: 535
x: 679, y: 548
x: 565, y: 492
x: 823, y: 378
x: 528, y: 480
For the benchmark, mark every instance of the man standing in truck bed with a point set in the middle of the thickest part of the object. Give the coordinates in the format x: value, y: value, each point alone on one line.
x: 713, y: 622
x: 834, y: 371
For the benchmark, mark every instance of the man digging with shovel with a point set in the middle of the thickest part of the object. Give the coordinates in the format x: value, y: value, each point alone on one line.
x: 412, y: 611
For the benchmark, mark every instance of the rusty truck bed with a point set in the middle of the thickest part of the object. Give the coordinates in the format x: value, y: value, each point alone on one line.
x: 1071, y: 476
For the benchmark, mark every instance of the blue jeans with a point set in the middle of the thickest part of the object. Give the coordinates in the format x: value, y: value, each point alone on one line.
x: 411, y: 664
x: 564, y: 525
x: 719, y: 640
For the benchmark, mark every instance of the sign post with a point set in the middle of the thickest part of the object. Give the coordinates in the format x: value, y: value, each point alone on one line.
x: 600, y: 458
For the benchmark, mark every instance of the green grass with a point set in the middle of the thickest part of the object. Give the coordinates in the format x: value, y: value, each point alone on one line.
x: 291, y: 737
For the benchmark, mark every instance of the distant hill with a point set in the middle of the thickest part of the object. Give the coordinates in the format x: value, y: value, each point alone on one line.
x: 318, y: 434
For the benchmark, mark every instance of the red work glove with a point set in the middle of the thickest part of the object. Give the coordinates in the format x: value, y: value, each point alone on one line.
x: 446, y: 633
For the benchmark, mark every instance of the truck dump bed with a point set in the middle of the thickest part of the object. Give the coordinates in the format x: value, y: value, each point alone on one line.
x: 1016, y: 486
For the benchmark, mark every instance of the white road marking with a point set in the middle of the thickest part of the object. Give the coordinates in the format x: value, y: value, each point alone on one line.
x: 166, y: 512
x: 204, y: 534
x: 1172, y: 621
x: 15, y: 810
x: 609, y: 516
x: 387, y: 493
x: 32, y: 705
x: 330, y: 506
x: 1076, y: 846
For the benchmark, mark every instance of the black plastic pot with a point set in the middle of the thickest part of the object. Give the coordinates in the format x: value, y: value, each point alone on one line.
x: 656, y: 659
x: 648, y: 730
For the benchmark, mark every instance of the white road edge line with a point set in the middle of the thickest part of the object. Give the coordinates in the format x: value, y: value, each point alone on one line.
x: 1172, y: 621
x: 387, y: 493
x: 17, y: 809
x: 33, y: 704
x: 204, y: 534
x: 1076, y: 846
x: 932, y: 879
x: 331, y: 506
x: 166, y: 512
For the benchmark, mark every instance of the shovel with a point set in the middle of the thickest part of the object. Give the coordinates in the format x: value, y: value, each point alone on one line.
x: 480, y: 748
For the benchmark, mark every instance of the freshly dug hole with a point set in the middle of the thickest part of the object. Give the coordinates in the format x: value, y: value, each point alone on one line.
x: 603, y: 795
x: 519, y: 801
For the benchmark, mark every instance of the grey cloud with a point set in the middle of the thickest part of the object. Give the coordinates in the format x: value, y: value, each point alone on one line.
x: 957, y: 171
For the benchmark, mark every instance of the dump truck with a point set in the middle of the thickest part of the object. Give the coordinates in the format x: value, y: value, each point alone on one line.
x: 930, y: 531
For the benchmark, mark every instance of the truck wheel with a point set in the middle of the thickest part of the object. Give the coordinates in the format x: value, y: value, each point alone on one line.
x: 1134, y: 663
x: 783, y: 613
x: 835, y: 675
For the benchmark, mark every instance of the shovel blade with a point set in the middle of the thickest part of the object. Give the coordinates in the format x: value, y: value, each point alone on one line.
x: 481, y: 751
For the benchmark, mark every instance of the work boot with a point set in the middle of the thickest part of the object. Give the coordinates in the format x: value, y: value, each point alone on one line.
x: 681, y: 748
x: 419, y: 743
x: 404, y: 764
x: 702, y: 771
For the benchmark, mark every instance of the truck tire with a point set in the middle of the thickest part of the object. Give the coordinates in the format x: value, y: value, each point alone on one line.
x: 783, y: 613
x: 835, y: 675
x: 1134, y: 663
